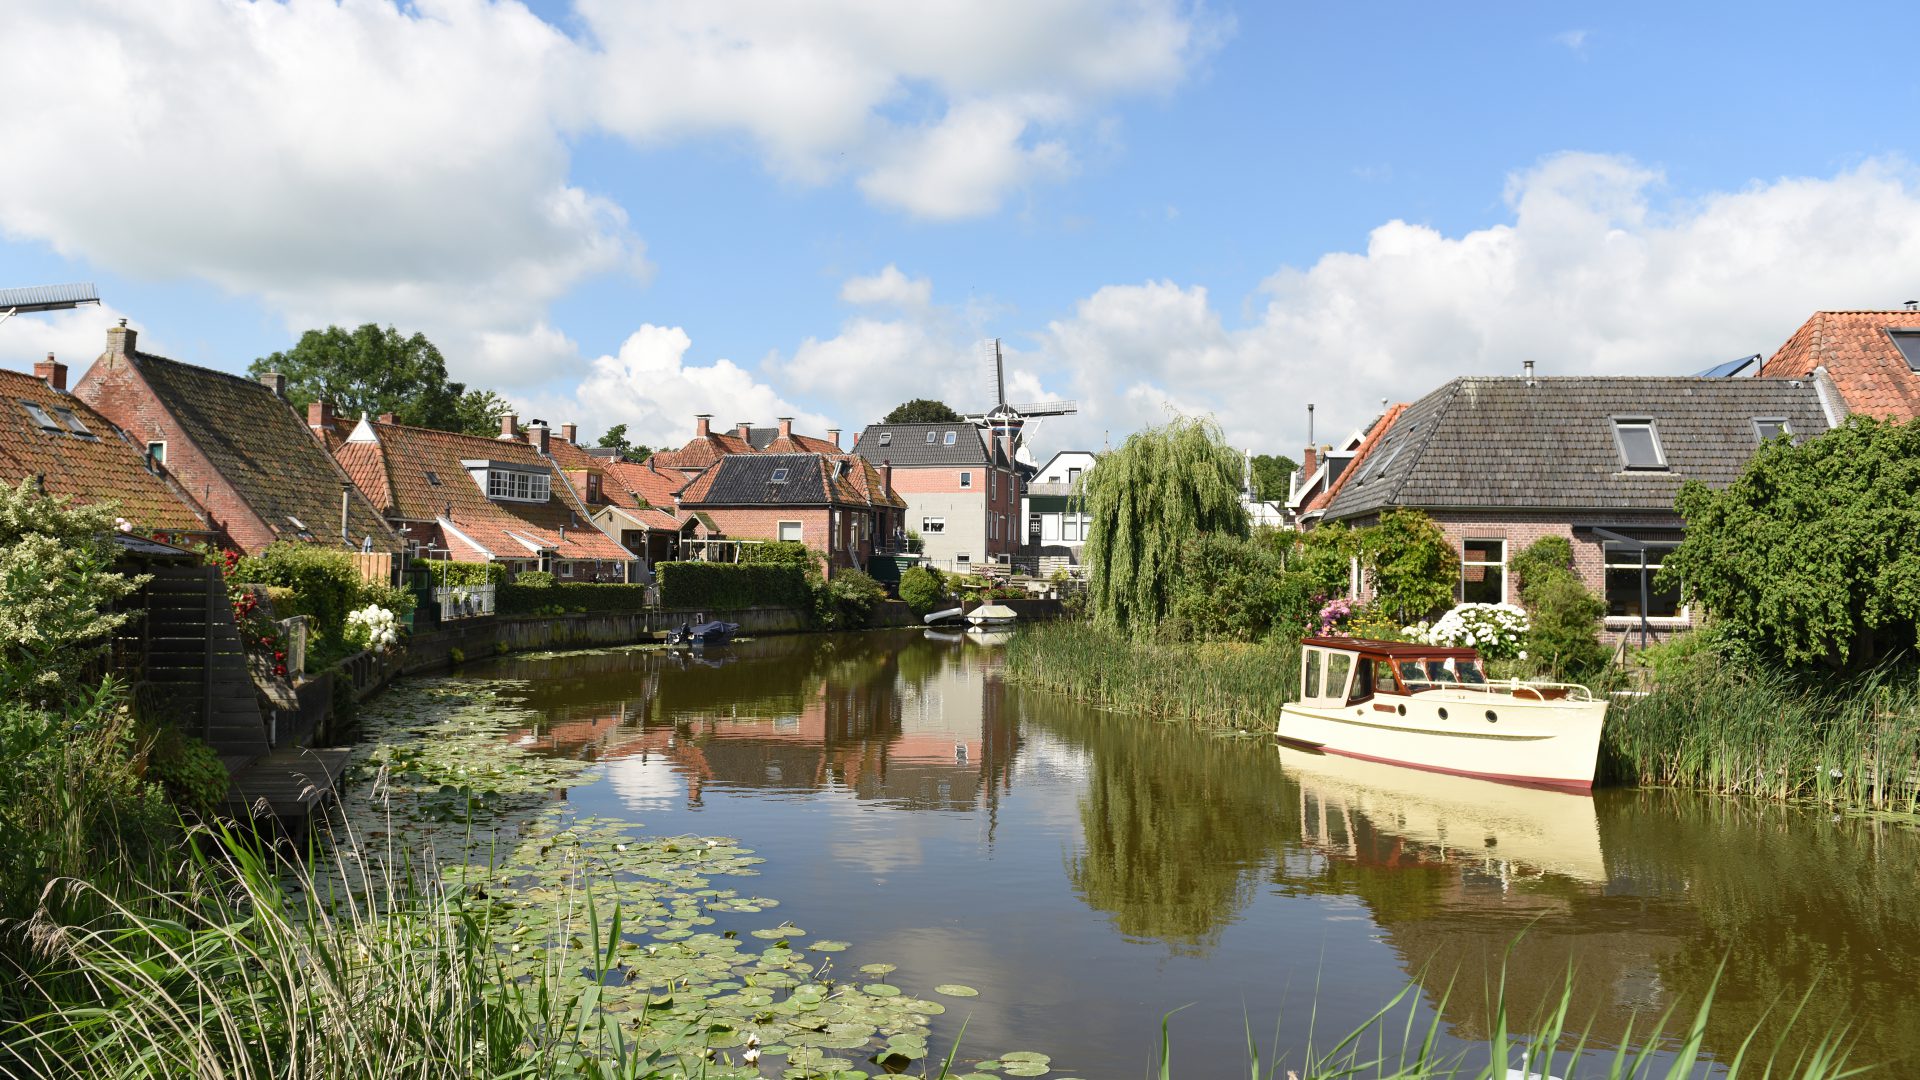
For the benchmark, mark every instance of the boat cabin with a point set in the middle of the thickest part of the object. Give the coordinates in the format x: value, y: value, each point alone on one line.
x: 1336, y: 671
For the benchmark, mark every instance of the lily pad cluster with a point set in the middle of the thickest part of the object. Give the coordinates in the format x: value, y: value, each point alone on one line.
x: 656, y: 937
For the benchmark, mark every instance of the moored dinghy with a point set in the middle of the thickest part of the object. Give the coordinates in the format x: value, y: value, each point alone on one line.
x: 1432, y: 707
x: 992, y: 617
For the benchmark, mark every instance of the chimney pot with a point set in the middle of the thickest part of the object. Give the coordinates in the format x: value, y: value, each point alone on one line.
x: 275, y: 382
x: 509, y: 425
x: 537, y: 435
x: 703, y: 425
x: 1527, y: 367
x: 1913, y: 305
x: 744, y: 429
x: 570, y: 432
x: 52, y: 372
x: 786, y: 427
x: 886, y: 475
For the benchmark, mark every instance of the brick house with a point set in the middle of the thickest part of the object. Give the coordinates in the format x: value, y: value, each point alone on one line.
x: 236, y: 447
x: 838, y: 504
x: 644, y: 513
x: 962, y: 488
x: 1871, y: 357
x: 470, y: 498
x: 1501, y: 462
x: 71, y: 451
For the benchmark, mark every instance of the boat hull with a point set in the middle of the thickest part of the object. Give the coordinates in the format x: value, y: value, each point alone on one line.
x: 1552, y: 744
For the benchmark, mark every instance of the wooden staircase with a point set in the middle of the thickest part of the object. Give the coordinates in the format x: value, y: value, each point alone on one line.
x: 196, y: 666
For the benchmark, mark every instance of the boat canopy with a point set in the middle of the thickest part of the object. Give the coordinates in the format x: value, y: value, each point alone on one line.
x: 1391, y: 650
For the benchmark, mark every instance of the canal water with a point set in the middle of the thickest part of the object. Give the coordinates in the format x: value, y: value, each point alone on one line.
x: 1090, y: 873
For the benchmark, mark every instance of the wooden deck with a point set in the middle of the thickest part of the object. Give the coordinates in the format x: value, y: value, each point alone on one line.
x: 291, y: 785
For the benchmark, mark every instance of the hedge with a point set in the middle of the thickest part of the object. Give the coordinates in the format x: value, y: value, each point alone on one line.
x: 726, y: 586
x: 570, y: 596
x: 443, y: 572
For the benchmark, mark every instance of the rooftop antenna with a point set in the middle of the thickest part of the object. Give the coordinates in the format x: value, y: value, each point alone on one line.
x: 1309, y: 423
x: 1913, y: 305
x: 999, y: 376
x: 45, y: 298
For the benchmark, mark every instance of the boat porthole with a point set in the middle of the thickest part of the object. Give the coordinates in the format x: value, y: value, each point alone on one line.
x: 1443, y: 712
x: 1492, y: 718
x: 1403, y: 709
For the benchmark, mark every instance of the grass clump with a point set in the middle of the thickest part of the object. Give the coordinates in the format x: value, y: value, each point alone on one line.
x: 1229, y: 685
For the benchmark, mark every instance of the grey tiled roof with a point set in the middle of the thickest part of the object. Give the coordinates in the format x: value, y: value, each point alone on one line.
x: 908, y: 445
x: 1497, y: 442
x: 747, y: 480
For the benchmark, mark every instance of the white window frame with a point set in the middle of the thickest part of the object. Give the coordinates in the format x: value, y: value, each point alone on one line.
x: 932, y: 437
x: 948, y: 441
x: 799, y: 531
x: 966, y: 478
x: 930, y: 526
x: 1759, y: 423
x: 514, y: 485
x: 1499, y: 565
x: 993, y: 483
x: 886, y: 438
x: 159, y: 457
x: 1620, y: 423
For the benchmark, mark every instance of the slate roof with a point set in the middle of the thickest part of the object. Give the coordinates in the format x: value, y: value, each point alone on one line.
x: 1860, y: 358
x: 811, y: 480
x: 107, y: 467
x: 907, y: 445
x: 1376, y: 435
x: 1484, y: 443
x: 394, y: 460
x: 258, y: 444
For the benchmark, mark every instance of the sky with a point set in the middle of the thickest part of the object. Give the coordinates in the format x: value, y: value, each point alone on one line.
x: 633, y: 211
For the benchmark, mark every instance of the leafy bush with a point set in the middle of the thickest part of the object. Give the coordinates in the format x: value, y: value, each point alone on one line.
x: 1545, y: 558
x: 1498, y: 630
x: 535, y: 579
x: 326, y: 580
x: 779, y: 552
x: 730, y: 586
x: 189, y: 770
x: 581, y: 596
x: 445, y: 572
x: 1411, y: 564
x: 922, y: 589
x: 1228, y: 588
x: 846, y: 601
x: 56, y: 588
x: 1563, y: 635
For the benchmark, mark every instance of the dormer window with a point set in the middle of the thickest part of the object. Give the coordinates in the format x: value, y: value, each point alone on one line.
x: 73, y: 423
x: 886, y: 438
x: 949, y: 439
x: 1907, y: 340
x: 1639, y: 443
x: 779, y: 476
x: 512, y: 485
x: 42, y: 418
x: 1770, y: 428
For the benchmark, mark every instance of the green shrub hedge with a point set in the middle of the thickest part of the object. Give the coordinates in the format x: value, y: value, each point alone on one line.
x: 727, y: 586
x: 784, y: 552
x: 444, y: 572
x: 517, y: 599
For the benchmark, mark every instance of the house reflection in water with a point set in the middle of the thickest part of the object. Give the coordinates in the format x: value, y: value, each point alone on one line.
x: 917, y: 729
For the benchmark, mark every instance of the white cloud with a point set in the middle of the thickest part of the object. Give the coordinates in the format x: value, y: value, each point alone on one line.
x: 889, y: 288
x: 1572, y: 39
x: 965, y: 164
x: 74, y: 337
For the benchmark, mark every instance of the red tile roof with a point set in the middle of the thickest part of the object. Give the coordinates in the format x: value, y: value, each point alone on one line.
x: 1375, y: 436
x: 639, y: 481
x: 1861, y: 359
x: 104, y: 468
x: 396, y: 461
x: 703, y: 450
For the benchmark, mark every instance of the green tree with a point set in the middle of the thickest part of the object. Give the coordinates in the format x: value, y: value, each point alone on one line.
x: 1810, y: 556
x: 1272, y: 474
x: 1411, y: 564
x: 478, y: 412
x: 369, y: 371
x: 57, y: 588
x: 922, y: 411
x: 1563, y: 616
x: 1160, y: 491
x: 616, y: 439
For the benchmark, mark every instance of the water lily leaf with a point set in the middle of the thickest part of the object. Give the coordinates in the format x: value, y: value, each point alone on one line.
x: 877, y: 969
x: 957, y: 990
x: 830, y: 946
x: 881, y: 990
x: 1025, y: 1056
x: 1025, y: 1068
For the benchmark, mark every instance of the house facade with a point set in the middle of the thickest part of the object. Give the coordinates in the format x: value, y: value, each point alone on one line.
x: 644, y: 512
x: 1056, y: 523
x: 53, y: 438
x: 837, y: 504
x: 236, y: 447
x: 1871, y: 359
x: 469, y: 498
x: 961, y: 487
x: 1498, y: 463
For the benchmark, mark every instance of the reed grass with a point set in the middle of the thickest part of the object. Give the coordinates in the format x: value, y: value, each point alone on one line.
x: 1225, y: 685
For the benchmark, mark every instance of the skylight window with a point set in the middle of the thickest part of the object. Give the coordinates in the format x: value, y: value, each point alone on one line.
x: 886, y: 438
x: 41, y: 417
x: 1771, y: 427
x: 1908, y: 342
x: 73, y: 423
x: 1387, y: 463
x: 779, y: 476
x: 1639, y: 444
x: 931, y: 436
x: 949, y: 439
x: 433, y: 478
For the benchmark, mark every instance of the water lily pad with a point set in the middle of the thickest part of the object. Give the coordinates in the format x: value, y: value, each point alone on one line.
x: 1025, y: 1068
x: 830, y: 945
x: 877, y: 969
x: 956, y: 990
x: 881, y: 990
x: 1025, y: 1057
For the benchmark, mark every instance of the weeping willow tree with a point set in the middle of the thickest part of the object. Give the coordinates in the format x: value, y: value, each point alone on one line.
x: 1146, y: 501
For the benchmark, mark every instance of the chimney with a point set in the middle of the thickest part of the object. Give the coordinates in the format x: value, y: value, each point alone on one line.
x: 744, y: 429
x: 320, y: 415
x: 1913, y: 305
x: 275, y: 382
x: 570, y: 433
x: 120, y: 340
x: 1527, y: 367
x: 703, y: 425
x: 386, y: 418
x: 1309, y: 461
x: 52, y: 372
x: 509, y: 425
x: 833, y: 433
x: 537, y: 435
x: 886, y: 475
x: 786, y: 427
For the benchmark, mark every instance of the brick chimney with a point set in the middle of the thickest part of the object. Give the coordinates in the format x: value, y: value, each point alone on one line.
x: 509, y: 426
x: 833, y: 433
x: 744, y: 429
x: 386, y: 418
x: 703, y: 425
x: 275, y: 382
x: 320, y: 415
x: 52, y: 372
x: 1309, y: 461
x: 886, y: 475
x: 120, y: 340
x: 786, y: 427
x: 537, y: 435
x: 570, y: 433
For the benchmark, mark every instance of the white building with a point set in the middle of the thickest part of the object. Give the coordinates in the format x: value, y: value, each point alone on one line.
x: 1054, y: 518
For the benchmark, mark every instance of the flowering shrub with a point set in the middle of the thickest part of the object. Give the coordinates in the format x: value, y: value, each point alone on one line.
x: 1496, y: 630
x: 373, y: 627
x: 258, y: 633
x: 1335, y: 615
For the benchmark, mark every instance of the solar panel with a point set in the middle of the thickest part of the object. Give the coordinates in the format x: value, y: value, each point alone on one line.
x: 1728, y: 369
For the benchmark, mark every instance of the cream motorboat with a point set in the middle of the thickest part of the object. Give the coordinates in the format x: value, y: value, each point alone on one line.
x: 1431, y: 707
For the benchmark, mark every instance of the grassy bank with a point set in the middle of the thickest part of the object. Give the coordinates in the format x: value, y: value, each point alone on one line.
x: 1706, y: 725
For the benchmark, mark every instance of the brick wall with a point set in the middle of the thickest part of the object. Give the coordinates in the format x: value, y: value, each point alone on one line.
x: 114, y: 390
x: 851, y: 544
x: 993, y: 493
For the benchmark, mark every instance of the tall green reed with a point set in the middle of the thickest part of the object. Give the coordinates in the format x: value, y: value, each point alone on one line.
x: 1222, y: 685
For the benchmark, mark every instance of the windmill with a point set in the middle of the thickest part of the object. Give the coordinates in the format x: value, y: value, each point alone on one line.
x: 1008, y: 421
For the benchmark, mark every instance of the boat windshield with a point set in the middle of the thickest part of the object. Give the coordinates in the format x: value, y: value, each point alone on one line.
x: 1421, y: 675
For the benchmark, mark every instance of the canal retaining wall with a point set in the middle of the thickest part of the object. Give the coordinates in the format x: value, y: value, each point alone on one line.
x: 488, y: 636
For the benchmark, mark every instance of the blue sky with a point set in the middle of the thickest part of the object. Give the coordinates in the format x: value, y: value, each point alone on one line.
x: 637, y: 211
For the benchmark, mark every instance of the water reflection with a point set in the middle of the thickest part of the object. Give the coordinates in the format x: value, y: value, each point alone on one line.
x: 1223, y: 863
